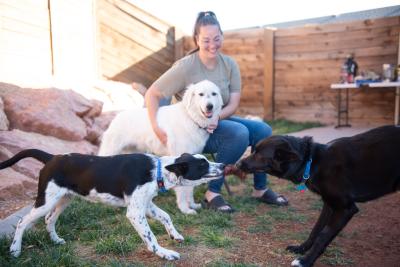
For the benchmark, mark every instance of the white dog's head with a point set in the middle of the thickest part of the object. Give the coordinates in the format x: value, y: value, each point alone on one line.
x: 203, y: 101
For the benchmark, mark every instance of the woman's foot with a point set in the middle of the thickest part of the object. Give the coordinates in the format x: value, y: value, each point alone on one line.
x: 270, y: 197
x: 215, y: 201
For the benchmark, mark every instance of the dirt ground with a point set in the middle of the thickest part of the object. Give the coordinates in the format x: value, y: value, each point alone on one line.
x: 372, y: 238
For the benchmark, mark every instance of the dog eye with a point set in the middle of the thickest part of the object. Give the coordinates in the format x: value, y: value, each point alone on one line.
x: 201, y: 94
x: 214, y: 93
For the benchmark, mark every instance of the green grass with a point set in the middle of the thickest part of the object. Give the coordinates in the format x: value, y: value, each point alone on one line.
x: 99, y: 235
x: 285, y: 126
x: 334, y: 256
x: 221, y: 263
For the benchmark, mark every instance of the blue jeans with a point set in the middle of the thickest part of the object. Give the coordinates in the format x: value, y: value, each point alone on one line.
x: 230, y: 140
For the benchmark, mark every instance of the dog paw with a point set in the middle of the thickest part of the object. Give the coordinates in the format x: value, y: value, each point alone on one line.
x: 195, y: 206
x: 178, y: 237
x: 296, y: 249
x: 189, y: 211
x: 15, y: 252
x: 168, y: 254
x: 59, y: 241
x: 300, y: 262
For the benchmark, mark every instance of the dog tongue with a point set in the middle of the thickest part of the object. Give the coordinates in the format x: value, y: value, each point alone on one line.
x: 208, y: 114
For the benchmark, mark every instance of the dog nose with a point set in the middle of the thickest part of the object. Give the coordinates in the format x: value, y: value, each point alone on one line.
x: 209, y: 107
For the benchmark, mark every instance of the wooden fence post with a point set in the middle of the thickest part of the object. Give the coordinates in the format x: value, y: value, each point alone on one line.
x: 268, y: 93
x: 179, y: 39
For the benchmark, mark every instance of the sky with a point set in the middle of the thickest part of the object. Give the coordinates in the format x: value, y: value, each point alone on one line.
x: 234, y: 14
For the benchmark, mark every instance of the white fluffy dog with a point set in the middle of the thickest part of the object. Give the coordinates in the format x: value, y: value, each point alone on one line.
x: 185, y: 124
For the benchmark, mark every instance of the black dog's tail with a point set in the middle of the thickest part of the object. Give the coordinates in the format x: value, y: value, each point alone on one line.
x: 40, y: 155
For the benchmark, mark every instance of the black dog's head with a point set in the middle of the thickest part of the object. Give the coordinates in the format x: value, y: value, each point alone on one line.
x: 195, y: 169
x: 281, y: 156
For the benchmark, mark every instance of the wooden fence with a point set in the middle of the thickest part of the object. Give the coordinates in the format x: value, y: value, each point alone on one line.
x: 25, y: 48
x: 287, y: 73
x: 308, y: 59
x: 134, y: 45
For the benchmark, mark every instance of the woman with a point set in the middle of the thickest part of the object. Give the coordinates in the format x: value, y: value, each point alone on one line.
x: 230, y: 135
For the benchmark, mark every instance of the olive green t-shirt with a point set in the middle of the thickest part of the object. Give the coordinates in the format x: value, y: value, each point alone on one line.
x: 188, y: 70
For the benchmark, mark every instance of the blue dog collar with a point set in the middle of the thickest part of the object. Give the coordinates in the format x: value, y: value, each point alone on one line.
x: 160, y: 180
x: 306, y: 173
x: 306, y: 176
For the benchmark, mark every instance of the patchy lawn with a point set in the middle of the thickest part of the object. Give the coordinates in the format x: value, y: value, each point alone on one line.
x: 256, y: 235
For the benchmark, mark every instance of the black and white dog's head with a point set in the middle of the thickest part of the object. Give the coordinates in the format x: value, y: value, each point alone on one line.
x: 192, y: 170
x: 280, y: 156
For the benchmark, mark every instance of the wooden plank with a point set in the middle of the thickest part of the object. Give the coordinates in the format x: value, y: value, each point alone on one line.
x: 140, y: 14
x: 268, y: 74
x: 338, y: 44
x: 37, y: 17
x: 120, y: 65
x: 331, y: 36
x: 253, y: 32
x: 131, y: 27
x: 339, y: 27
x: 9, y: 24
x: 339, y: 54
x: 116, y: 43
x: 365, y: 62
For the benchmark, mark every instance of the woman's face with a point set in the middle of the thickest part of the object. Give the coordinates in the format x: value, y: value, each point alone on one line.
x: 209, y: 40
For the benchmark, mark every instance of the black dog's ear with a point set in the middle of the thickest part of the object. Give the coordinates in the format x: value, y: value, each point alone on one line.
x: 282, y: 155
x: 180, y: 169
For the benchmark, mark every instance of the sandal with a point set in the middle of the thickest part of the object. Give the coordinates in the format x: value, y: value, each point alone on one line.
x: 270, y: 197
x: 216, y: 204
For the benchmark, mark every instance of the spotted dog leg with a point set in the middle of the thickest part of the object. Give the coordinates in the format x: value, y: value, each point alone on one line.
x: 158, y: 214
x: 52, y: 198
x: 51, y: 219
x: 136, y: 214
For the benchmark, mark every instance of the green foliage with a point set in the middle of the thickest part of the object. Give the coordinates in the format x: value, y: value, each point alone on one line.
x: 286, y: 126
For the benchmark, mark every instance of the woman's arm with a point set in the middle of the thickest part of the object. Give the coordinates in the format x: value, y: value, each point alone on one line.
x: 231, y: 107
x: 152, y: 99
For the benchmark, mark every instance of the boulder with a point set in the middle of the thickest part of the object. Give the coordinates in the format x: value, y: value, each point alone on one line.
x: 60, y: 113
x: 11, y: 142
x: 4, y: 123
x: 14, y: 184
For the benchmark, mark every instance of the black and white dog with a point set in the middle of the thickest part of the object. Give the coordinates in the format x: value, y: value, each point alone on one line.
x: 130, y: 180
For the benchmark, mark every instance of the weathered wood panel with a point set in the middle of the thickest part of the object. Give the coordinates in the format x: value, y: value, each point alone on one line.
x: 73, y: 28
x: 25, y: 53
x: 308, y: 60
x: 134, y: 45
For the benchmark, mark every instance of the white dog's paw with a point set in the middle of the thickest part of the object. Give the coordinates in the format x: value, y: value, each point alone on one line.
x: 177, y: 237
x: 15, y: 252
x: 188, y: 211
x: 195, y: 206
x: 59, y: 241
x: 168, y: 254
x: 296, y: 263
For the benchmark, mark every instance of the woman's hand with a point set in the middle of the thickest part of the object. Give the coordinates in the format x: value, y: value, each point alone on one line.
x: 152, y: 99
x: 213, y: 124
x: 161, y: 135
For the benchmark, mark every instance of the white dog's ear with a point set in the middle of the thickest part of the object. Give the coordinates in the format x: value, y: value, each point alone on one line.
x: 188, y: 96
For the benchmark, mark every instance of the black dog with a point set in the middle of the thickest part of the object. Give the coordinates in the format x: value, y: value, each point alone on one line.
x: 343, y: 172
